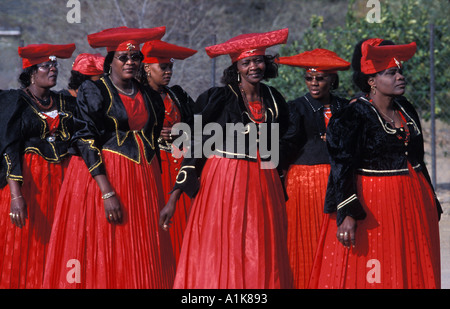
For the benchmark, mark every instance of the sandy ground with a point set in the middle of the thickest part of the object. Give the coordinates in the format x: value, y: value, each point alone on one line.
x: 442, y: 189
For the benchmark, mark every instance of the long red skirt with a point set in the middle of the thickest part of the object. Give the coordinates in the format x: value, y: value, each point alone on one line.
x: 88, y: 252
x: 236, y: 234
x: 23, y: 250
x: 170, y: 167
x: 306, y: 186
x: 397, y: 244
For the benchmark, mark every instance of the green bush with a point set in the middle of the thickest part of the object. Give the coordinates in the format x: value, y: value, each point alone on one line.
x: 401, y: 21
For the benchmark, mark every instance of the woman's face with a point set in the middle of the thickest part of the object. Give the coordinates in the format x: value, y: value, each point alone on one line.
x: 389, y: 82
x: 45, y: 75
x: 251, y: 69
x: 319, y: 84
x: 125, y: 64
x: 159, y: 74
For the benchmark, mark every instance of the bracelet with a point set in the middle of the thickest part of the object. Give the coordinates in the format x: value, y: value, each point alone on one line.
x: 108, y: 195
x: 15, y: 198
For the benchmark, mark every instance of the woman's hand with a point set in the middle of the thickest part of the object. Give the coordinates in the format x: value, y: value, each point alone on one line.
x: 111, y: 203
x: 113, y: 211
x: 346, y: 232
x: 166, y: 134
x: 168, y: 211
x: 18, y: 209
x: 18, y: 213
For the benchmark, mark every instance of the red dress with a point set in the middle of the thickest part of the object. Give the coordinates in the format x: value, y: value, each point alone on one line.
x: 237, y: 227
x: 170, y: 165
x: 397, y: 244
x: 85, y: 250
x: 306, y: 186
x: 23, y: 250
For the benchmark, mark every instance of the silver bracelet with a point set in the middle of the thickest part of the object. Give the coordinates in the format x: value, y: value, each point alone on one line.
x: 15, y: 198
x: 108, y: 195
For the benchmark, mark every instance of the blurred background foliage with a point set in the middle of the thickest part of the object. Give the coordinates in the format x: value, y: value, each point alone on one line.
x: 402, y: 21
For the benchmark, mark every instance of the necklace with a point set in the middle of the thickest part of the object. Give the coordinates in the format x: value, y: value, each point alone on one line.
x: 42, y: 106
x: 391, y: 120
x: 253, y: 111
x: 123, y: 91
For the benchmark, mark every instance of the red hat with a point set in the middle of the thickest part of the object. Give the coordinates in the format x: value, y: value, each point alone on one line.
x: 246, y: 45
x: 37, y: 53
x: 322, y: 60
x: 157, y: 51
x: 124, y: 38
x: 377, y: 58
x: 89, y: 64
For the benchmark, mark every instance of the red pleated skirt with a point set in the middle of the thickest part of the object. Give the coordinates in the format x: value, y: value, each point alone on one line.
x: 306, y: 186
x: 23, y: 250
x: 397, y: 244
x: 86, y: 251
x: 170, y: 167
x: 236, y: 234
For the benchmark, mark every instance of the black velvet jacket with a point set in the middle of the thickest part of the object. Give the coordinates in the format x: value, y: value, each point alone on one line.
x: 225, y: 105
x: 103, y: 124
x: 303, y: 144
x: 24, y: 129
x: 185, y: 105
x: 361, y: 142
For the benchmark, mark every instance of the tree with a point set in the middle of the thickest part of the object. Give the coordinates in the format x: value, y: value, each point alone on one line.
x: 403, y: 22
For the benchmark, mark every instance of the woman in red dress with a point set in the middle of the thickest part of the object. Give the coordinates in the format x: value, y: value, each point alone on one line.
x: 236, y: 233
x: 156, y: 72
x: 106, y: 232
x: 381, y: 229
x: 36, y: 126
x: 309, y: 165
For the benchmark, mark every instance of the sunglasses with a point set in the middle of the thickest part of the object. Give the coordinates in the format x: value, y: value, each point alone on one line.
x: 47, y: 65
x: 124, y: 58
x: 317, y: 78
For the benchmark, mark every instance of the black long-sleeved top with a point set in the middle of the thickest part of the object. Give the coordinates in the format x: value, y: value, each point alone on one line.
x: 24, y: 129
x: 185, y: 105
x: 303, y: 144
x: 361, y: 142
x: 103, y: 124
x: 225, y: 105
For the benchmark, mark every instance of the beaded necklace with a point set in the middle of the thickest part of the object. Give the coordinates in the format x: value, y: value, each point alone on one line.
x: 42, y: 106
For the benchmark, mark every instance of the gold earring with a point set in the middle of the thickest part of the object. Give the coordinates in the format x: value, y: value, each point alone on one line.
x: 373, y: 89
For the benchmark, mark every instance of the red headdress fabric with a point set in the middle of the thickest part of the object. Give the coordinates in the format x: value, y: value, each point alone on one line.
x: 246, y: 45
x: 157, y: 51
x: 322, y: 60
x: 377, y: 58
x: 37, y: 53
x: 89, y: 64
x: 124, y: 38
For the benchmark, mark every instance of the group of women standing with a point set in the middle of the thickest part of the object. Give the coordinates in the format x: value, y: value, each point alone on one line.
x: 95, y: 194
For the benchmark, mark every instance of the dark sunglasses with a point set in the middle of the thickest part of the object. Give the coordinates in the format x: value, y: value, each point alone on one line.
x: 317, y: 78
x: 124, y: 58
x: 47, y: 65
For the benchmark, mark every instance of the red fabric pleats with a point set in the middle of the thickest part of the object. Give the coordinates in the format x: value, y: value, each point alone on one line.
x: 23, y: 250
x: 170, y: 167
x: 88, y: 252
x: 236, y: 233
x: 306, y: 186
x: 397, y: 244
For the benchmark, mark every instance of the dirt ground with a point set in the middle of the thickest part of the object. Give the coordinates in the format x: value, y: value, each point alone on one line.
x: 442, y: 189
